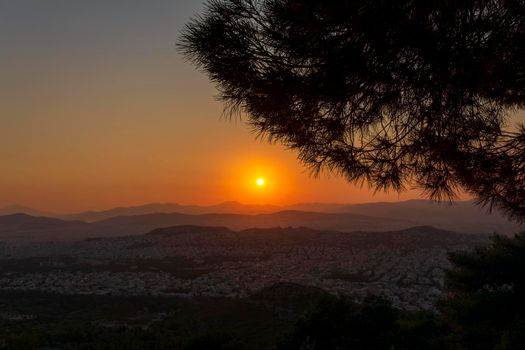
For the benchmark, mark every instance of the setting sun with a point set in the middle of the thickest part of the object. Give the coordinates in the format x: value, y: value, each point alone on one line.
x: 260, y: 182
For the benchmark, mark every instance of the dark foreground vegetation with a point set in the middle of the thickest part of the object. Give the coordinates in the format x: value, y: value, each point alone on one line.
x: 483, y: 310
x: 393, y: 94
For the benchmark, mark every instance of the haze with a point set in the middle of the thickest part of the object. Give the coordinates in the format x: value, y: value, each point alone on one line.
x: 97, y: 109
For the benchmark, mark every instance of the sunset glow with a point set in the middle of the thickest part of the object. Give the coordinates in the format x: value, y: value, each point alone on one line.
x: 262, y: 174
x: 87, y: 124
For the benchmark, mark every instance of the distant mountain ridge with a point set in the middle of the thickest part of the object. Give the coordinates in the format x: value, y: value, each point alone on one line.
x: 26, y: 227
x: 20, y: 209
x: 23, y: 228
x: 167, y: 208
x: 416, y: 238
x: 28, y: 222
x: 461, y: 217
x: 176, y: 230
x: 20, y: 228
x: 333, y: 221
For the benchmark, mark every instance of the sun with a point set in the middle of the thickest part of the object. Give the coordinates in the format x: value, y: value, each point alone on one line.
x: 260, y: 182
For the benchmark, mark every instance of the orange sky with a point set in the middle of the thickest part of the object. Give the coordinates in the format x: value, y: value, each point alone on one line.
x: 97, y: 109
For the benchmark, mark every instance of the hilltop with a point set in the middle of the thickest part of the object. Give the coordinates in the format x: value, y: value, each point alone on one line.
x: 463, y: 216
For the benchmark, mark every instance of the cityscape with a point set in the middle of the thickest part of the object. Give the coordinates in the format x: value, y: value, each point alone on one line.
x: 406, y: 267
x: 262, y: 175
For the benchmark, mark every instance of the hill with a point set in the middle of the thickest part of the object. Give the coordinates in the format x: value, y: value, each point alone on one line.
x: 176, y: 230
x: 463, y: 216
x: 326, y: 221
x: 22, y: 228
x: 167, y: 208
x: 24, y: 222
x: 412, y: 237
x: 20, y: 209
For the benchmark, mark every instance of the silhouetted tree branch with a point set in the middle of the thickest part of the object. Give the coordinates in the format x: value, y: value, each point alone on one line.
x: 390, y: 93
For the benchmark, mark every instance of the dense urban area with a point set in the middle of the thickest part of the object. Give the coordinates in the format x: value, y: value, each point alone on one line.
x: 405, y: 267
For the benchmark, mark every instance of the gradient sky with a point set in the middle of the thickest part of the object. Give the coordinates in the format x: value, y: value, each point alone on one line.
x: 97, y: 109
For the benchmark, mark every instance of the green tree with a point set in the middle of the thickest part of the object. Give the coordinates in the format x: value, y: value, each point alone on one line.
x: 338, y: 323
x: 27, y: 339
x: 485, y: 307
x: 214, y: 341
x: 392, y: 93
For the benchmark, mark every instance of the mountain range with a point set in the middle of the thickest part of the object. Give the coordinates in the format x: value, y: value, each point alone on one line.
x: 164, y: 208
x: 463, y: 217
x: 22, y: 227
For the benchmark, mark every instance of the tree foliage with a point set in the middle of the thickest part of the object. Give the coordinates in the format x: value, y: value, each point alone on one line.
x: 339, y: 323
x: 393, y: 93
x: 485, y: 308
